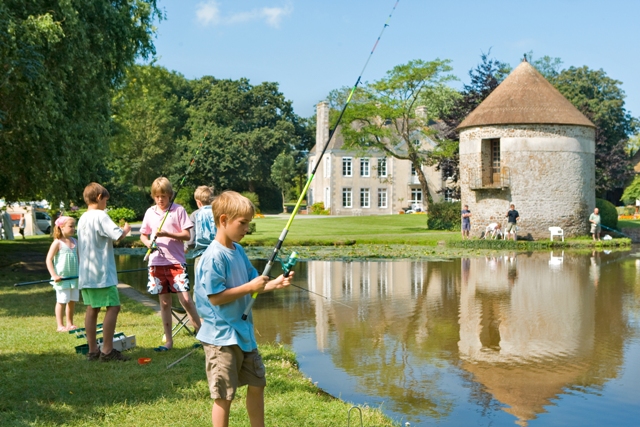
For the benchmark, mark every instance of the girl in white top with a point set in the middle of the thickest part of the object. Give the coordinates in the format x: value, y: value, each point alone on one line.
x: 62, y: 262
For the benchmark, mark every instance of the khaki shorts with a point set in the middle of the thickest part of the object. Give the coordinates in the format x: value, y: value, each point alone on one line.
x: 101, y: 297
x: 511, y: 227
x: 228, y: 367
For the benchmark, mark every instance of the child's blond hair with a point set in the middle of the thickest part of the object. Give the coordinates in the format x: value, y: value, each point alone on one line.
x: 161, y: 186
x: 92, y: 192
x: 204, y: 193
x: 57, y: 228
x: 233, y: 205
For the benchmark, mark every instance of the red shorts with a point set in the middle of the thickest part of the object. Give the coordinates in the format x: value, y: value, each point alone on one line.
x: 164, y: 279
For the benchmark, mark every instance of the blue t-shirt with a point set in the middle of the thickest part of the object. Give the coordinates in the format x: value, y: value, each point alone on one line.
x: 221, y: 268
x: 205, y: 230
x: 512, y: 216
x: 465, y: 219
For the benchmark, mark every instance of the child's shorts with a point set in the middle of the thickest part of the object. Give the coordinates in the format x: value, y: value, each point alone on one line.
x: 101, y: 297
x: 64, y: 296
x: 228, y: 367
x: 164, y: 279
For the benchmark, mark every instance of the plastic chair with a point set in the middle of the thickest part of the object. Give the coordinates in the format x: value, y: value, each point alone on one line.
x: 556, y: 231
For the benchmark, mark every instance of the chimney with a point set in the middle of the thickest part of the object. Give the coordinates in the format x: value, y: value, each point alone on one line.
x: 421, y: 112
x: 322, y: 124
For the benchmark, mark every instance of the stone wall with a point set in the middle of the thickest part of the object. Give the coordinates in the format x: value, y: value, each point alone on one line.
x: 551, y: 177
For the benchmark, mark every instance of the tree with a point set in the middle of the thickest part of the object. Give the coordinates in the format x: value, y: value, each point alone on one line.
x: 600, y: 98
x: 384, y: 116
x: 247, y: 127
x: 282, y: 174
x: 149, y: 117
x: 59, y: 61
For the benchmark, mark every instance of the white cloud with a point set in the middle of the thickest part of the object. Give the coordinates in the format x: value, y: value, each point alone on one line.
x: 209, y: 14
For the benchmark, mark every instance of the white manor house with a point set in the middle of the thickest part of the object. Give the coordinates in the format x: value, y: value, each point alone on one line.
x: 353, y: 183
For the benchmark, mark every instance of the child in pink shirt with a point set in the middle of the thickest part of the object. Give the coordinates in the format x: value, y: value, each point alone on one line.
x: 167, y: 263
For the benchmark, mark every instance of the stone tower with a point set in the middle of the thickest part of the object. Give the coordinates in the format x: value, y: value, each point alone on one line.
x: 526, y: 144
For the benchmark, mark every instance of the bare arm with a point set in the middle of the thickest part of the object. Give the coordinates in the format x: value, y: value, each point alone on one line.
x: 53, y: 250
x: 125, y: 230
x: 260, y: 285
x: 183, y: 235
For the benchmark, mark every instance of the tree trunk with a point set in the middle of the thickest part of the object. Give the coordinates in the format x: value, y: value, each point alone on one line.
x: 426, y: 197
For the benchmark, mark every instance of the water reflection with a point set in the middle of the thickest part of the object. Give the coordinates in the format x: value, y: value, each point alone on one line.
x: 484, y: 341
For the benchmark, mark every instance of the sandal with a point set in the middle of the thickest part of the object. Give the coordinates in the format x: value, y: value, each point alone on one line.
x: 161, y: 348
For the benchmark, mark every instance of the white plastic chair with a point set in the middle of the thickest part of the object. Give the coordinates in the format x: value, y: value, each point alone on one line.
x: 556, y: 231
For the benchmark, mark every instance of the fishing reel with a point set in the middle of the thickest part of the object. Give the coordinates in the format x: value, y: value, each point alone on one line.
x: 289, y: 264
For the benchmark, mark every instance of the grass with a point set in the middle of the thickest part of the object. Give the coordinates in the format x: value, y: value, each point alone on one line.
x: 44, y: 383
x: 628, y: 223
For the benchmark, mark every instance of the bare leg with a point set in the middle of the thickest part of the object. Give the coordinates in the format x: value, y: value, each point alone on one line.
x: 220, y: 413
x: 90, y: 322
x: 255, y: 406
x: 165, y: 314
x: 109, y: 328
x: 187, y: 302
x: 71, y: 305
x: 59, y: 316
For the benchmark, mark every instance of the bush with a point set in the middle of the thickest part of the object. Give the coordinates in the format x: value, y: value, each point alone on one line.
x: 119, y: 215
x: 608, y: 213
x: 444, y: 216
x: 254, y: 199
x: 318, y: 209
x: 252, y: 228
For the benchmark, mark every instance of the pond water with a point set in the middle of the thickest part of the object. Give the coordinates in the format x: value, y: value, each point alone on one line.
x: 537, y: 339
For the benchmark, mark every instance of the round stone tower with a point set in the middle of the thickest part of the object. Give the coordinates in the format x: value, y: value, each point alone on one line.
x: 527, y: 145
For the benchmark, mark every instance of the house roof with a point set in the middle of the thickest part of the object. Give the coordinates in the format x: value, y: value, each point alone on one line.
x: 525, y: 97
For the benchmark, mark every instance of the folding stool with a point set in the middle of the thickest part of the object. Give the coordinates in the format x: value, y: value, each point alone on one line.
x: 180, y: 314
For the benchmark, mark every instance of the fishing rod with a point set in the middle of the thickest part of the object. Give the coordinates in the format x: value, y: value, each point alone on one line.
x: 283, y: 235
x: 153, y: 246
x: 35, y: 282
x: 615, y: 231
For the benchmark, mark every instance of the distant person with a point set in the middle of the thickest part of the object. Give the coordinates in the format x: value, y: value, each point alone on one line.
x: 21, y: 225
x: 637, y: 208
x: 594, y: 219
x: 466, y: 222
x: 494, y: 230
x: 225, y: 282
x: 167, y: 262
x: 512, y: 222
x: 97, y: 276
x: 62, y: 262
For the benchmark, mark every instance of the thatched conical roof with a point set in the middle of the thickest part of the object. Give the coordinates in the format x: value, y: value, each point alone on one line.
x: 525, y: 97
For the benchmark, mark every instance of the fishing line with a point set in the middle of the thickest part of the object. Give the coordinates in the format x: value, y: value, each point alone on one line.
x: 283, y: 235
x: 153, y: 246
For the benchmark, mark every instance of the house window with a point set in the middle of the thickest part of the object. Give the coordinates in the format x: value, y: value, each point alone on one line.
x: 327, y: 166
x: 495, y: 157
x: 413, y: 170
x: 491, y: 162
x: 327, y: 198
x: 346, y: 198
x: 346, y: 166
x: 382, y: 167
x: 365, y: 198
x: 449, y: 195
x: 416, y: 195
x: 364, y: 168
x: 382, y: 198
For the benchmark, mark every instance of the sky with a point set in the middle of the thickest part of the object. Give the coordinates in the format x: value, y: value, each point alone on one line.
x: 310, y: 47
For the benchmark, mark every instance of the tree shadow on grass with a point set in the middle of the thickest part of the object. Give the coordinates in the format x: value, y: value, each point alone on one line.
x: 56, y: 388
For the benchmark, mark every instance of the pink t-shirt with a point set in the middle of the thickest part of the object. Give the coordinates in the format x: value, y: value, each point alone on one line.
x: 170, y: 251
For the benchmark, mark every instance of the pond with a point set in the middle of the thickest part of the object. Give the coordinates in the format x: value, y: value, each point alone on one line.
x: 537, y: 339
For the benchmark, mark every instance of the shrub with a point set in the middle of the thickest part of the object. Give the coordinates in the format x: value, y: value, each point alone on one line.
x: 252, y: 228
x: 254, y: 199
x: 444, y: 216
x: 119, y: 215
x: 318, y: 209
x: 608, y: 213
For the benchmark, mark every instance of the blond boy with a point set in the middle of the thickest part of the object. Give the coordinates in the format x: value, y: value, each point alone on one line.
x: 225, y: 280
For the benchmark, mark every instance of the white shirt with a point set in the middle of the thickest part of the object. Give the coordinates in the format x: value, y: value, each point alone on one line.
x: 97, y: 265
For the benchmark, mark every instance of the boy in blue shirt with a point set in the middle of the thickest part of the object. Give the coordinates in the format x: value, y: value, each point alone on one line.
x: 225, y: 280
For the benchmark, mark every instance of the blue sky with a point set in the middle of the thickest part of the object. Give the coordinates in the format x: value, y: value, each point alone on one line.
x: 312, y: 47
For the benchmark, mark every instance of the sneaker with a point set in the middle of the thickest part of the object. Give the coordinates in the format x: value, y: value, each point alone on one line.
x: 92, y: 357
x: 115, y: 355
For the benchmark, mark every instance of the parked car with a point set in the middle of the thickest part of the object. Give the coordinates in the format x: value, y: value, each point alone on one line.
x: 44, y: 222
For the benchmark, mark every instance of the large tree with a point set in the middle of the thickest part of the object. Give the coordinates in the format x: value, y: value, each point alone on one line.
x: 59, y: 61
x: 384, y: 116
x: 245, y: 127
x: 601, y: 99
